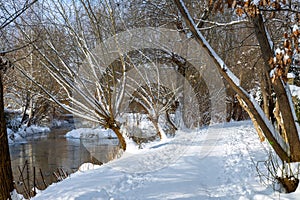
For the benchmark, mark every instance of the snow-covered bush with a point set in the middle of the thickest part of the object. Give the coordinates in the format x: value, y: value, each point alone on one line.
x: 91, y: 133
x: 13, y: 119
x: 24, y: 132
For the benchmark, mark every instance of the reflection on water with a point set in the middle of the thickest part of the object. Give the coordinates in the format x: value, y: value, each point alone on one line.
x: 53, y: 152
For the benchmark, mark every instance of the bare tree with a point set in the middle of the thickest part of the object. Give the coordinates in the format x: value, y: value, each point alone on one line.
x: 89, y: 86
x: 9, y: 13
x: 150, y: 86
x: 285, y: 139
x: 6, y: 185
x: 279, y: 88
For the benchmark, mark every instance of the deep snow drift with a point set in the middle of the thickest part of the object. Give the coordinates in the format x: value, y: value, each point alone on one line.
x: 213, y: 163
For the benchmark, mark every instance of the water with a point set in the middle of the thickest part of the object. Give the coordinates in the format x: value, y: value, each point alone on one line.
x: 55, y: 153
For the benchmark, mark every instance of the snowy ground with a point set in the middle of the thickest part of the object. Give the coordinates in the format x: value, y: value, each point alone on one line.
x: 215, y: 163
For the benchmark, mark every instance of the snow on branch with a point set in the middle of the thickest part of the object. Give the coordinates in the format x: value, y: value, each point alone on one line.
x: 279, y: 145
x: 219, y: 24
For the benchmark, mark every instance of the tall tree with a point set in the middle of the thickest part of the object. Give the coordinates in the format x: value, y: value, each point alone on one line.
x: 9, y: 13
x: 282, y: 133
x: 6, y: 184
x: 287, y: 147
x: 89, y: 86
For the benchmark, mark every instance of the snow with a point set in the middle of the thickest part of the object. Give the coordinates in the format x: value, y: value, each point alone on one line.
x: 229, y: 75
x: 90, y: 133
x: 24, y: 132
x: 290, y: 98
x: 256, y: 2
x: 88, y: 166
x: 135, y: 121
x: 286, y: 57
x: 15, y: 195
x: 291, y: 75
x: 295, y: 91
x: 272, y: 72
x: 217, y: 162
x: 295, y: 28
x: 278, y: 51
x: 271, y: 128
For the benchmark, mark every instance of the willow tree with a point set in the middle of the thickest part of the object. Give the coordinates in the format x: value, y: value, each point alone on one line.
x: 89, y: 86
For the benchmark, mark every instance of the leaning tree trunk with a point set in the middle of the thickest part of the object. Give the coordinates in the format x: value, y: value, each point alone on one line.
x: 279, y: 89
x: 254, y: 109
x: 122, y: 142
x: 6, y: 178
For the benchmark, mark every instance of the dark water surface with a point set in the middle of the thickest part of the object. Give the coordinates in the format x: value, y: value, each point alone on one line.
x: 55, y: 153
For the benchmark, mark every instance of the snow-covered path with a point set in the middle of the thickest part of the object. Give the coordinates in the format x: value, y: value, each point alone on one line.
x: 215, y: 163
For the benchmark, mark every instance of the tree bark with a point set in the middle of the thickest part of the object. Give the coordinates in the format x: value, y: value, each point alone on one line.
x: 279, y: 89
x: 121, y: 138
x: 169, y: 120
x: 267, y: 130
x: 282, y: 153
x: 25, y: 109
x: 154, y: 121
x: 266, y: 93
x: 6, y: 178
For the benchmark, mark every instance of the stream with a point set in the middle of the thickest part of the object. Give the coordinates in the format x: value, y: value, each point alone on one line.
x: 45, y: 159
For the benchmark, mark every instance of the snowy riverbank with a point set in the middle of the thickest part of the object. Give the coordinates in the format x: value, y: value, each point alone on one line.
x: 24, y: 132
x: 214, y: 163
x: 91, y: 133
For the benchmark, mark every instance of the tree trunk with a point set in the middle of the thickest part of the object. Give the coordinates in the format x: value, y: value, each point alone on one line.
x: 169, y: 120
x: 155, y: 124
x: 159, y: 131
x: 265, y: 93
x: 31, y: 113
x: 121, y: 138
x: 6, y: 178
x: 282, y: 152
x: 25, y: 109
x: 279, y: 88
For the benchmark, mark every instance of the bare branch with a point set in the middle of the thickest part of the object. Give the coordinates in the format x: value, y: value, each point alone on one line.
x: 16, y: 14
